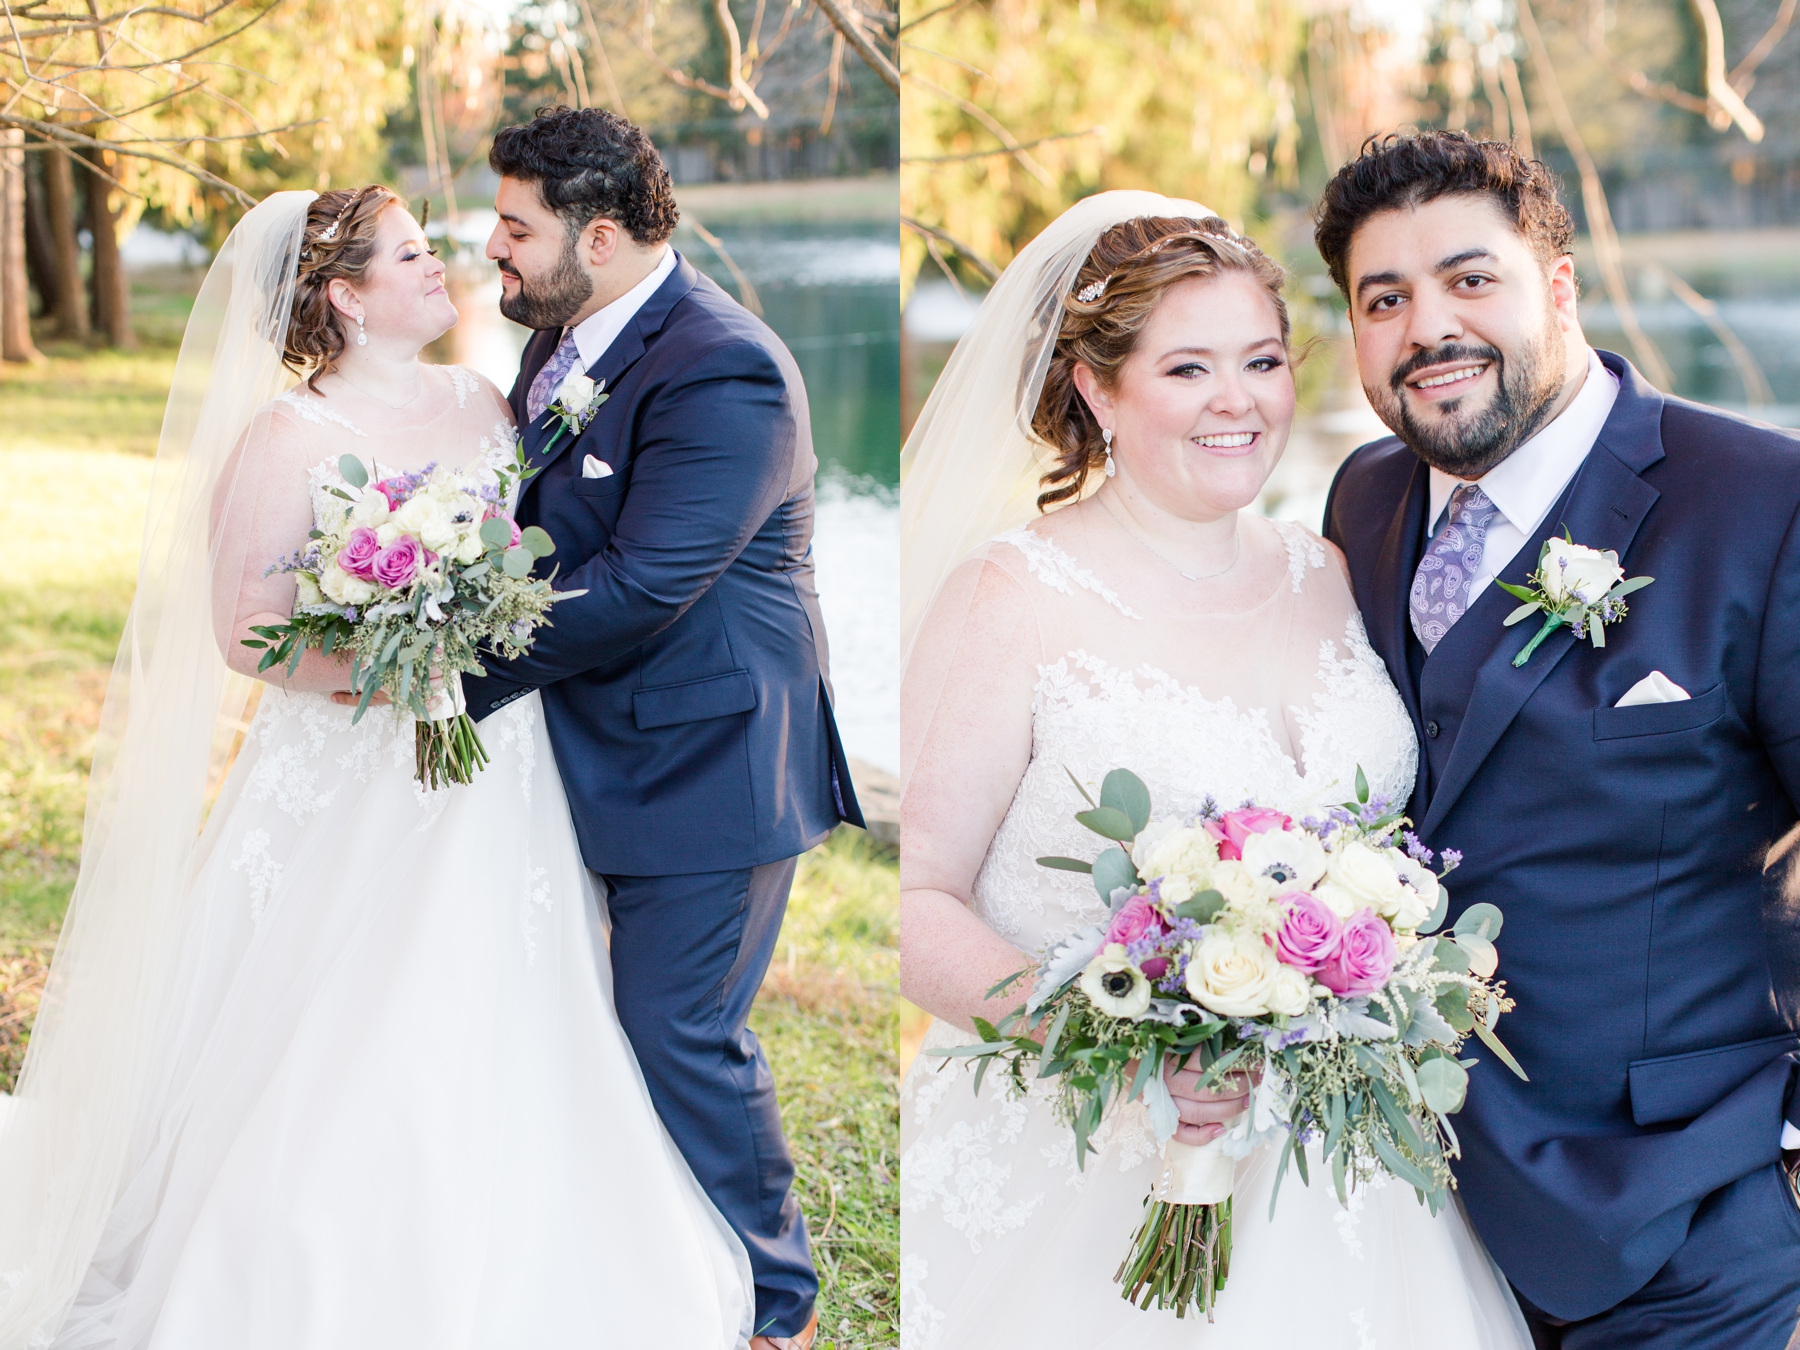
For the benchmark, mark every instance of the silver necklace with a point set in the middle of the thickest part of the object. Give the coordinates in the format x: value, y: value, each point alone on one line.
x: 1236, y: 549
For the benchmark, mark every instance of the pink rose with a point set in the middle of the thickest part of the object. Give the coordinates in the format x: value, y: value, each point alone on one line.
x: 1137, y: 918
x: 1236, y: 826
x: 358, y: 556
x: 1363, y: 960
x: 398, y: 563
x: 1310, y: 935
x: 394, y: 489
x: 495, y: 513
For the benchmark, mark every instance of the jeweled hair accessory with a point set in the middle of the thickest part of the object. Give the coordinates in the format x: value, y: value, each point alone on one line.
x: 1091, y: 292
x: 331, y: 230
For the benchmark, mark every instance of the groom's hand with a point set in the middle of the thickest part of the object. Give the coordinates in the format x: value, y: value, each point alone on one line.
x: 1204, y: 1111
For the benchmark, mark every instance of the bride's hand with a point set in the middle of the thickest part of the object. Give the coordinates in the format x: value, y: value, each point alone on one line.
x: 350, y: 699
x: 1204, y: 1111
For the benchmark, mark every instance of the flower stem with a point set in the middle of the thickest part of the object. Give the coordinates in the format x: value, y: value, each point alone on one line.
x: 1551, y: 623
x: 1180, y: 1257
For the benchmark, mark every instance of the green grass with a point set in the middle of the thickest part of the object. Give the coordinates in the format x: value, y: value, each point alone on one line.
x: 76, y: 439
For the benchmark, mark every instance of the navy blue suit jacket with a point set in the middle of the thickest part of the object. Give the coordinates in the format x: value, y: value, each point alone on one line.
x: 1642, y: 856
x: 687, y: 694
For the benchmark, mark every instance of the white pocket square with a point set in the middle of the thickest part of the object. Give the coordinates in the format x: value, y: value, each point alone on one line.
x: 1655, y: 687
x: 599, y: 468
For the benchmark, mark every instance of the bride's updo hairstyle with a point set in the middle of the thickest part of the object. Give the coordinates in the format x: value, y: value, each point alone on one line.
x: 1117, y: 289
x: 339, y: 242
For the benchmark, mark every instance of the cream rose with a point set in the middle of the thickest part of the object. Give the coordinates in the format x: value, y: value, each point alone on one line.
x: 1167, y: 848
x: 1241, y: 887
x: 429, y: 519
x: 306, y: 590
x: 468, y: 548
x: 1291, y: 993
x: 1298, y: 856
x: 576, y: 392
x: 1574, y: 571
x: 344, y: 589
x: 1364, y: 873
x: 370, y: 509
x: 1233, y: 975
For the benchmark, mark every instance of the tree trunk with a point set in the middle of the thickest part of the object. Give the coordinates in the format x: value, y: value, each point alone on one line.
x: 15, y: 298
x: 40, y: 255
x: 112, y: 297
x: 60, y: 207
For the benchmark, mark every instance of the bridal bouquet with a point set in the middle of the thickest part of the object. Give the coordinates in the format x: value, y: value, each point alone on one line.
x: 421, y: 570
x: 1243, y: 943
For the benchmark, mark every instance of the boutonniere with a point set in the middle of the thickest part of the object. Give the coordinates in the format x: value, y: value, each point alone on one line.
x: 577, y: 400
x: 1582, y: 587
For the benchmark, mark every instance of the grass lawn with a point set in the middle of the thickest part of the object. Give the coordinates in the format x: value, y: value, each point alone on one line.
x: 77, y: 437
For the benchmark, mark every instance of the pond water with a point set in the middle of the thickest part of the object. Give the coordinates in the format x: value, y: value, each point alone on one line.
x: 831, y: 291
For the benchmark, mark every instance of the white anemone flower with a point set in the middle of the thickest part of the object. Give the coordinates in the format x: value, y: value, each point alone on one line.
x: 1114, y: 985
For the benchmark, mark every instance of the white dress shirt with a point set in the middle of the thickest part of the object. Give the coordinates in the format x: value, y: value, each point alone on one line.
x: 594, y: 334
x: 1526, y: 484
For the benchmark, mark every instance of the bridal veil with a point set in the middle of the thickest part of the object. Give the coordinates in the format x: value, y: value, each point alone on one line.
x: 172, y: 714
x: 970, y: 468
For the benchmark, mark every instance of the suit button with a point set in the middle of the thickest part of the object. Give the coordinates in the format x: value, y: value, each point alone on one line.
x: 1431, y: 730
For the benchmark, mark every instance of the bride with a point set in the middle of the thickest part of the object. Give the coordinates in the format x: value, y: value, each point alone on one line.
x: 1138, y: 618
x: 341, y: 1068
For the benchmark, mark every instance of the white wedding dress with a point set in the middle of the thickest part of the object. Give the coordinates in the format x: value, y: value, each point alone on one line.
x: 395, y: 1109
x: 1005, y: 1243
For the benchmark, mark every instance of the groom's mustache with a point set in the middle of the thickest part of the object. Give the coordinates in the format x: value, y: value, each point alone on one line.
x: 507, y: 269
x: 1453, y: 351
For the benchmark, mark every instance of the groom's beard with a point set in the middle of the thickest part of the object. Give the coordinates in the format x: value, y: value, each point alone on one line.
x: 1467, y: 442
x: 552, y: 301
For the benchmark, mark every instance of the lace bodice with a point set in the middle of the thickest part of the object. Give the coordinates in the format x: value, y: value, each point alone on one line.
x: 1282, y: 704
x: 276, y: 488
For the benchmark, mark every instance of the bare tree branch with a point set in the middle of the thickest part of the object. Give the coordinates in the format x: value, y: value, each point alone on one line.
x: 1756, y: 384
x: 747, y: 295
x: 974, y: 259
x: 1742, y: 74
x: 941, y: 9
x: 51, y: 131
x: 989, y: 154
x: 835, y: 68
x: 846, y: 23
x: 734, y: 57
x: 1593, y: 196
x: 1723, y: 103
x: 981, y: 115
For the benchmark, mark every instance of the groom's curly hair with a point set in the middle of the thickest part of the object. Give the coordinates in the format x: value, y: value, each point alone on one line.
x: 1120, y: 284
x: 586, y: 163
x: 1397, y: 171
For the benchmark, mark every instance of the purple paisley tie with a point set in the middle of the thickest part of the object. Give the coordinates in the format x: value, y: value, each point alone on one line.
x: 1440, y: 589
x: 543, y: 388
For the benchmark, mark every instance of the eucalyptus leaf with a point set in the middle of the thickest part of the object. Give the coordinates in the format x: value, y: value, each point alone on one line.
x: 1627, y: 587
x: 1450, y: 957
x: 1362, y: 786
x: 537, y: 542
x: 1107, y: 822
x: 1444, y: 1084
x: 1453, y: 1005
x: 1124, y: 791
x: 496, y: 533
x: 1077, y: 782
x: 352, y: 471
x: 1596, y: 631
x: 1481, y: 919
x: 1483, y: 959
x: 1065, y: 864
x: 1113, y: 869
x: 1524, y: 611
x: 516, y: 563
x: 477, y: 571
x: 1203, y: 908
x: 1438, y: 911
x: 1492, y: 1042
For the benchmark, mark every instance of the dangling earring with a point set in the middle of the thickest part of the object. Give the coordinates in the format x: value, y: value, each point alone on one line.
x: 362, y: 338
x: 1106, y: 435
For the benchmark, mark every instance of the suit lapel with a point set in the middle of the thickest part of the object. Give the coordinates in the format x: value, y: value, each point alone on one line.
x: 618, y: 358
x: 1603, y: 509
x: 1394, y: 567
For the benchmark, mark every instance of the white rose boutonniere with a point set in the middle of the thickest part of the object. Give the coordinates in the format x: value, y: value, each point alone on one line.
x: 577, y: 399
x: 1584, y: 588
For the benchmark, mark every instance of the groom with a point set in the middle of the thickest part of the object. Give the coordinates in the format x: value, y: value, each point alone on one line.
x: 1631, y: 808
x: 685, y: 693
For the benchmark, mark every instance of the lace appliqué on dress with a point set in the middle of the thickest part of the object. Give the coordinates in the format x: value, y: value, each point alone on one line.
x: 956, y: 1171
x: 1359, y: 719
x: 311, y: 408
x: 921, y: 1324
x: 261, y: 873
x: 1304, y: 549
x: 464, y: 382
x: 1058, y: 570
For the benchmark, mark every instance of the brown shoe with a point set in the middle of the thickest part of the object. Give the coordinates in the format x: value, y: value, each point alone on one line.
x: 800, y: 1341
